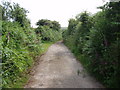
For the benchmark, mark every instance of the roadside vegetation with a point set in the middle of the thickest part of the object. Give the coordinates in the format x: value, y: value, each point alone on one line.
x: 20, y: 44
x: 95, y: 40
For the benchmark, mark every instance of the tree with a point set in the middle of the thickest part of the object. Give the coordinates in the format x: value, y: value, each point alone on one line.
x: 19, y: 15
x: 6, y: 11
x: 86, y: 21
x: 44, y: 22
x: 52, y: 24
x: 15, y: 13
x: 72, y: 26
x: 56, y: 25
x: 48, y: 30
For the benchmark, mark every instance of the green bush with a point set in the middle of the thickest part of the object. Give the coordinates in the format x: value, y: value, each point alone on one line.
x: 17, y: 44
x: 48, y: 34
x: 20, y: 44
x: 95, y: 41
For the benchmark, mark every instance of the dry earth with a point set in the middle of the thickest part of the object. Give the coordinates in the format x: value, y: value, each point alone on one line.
x: 58, y: 68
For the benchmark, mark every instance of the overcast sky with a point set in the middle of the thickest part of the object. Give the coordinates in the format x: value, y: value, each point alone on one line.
x: 59, y: 10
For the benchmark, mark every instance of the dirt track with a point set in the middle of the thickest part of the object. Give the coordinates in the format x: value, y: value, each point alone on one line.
x: 58, y: 68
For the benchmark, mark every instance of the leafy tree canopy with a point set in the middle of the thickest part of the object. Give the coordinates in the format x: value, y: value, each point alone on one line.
x: 52, y: 24
x: 15, y: 13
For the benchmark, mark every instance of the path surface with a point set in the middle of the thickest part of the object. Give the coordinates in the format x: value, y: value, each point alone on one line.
x: 58, y: 68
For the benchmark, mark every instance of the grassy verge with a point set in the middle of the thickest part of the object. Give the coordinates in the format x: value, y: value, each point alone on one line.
x: 22, y: 80
x: 45, y: 46
x: 85, y: 61
x: 81, y: 57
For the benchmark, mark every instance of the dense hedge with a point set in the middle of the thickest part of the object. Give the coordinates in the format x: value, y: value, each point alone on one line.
x: 95, y: 40
x: 49, y: 30
x: 19, y: 43
x: 19, y: 46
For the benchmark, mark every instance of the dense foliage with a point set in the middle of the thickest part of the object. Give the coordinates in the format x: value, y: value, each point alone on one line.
x: 19, y: 42
x: 49, y: 30
x: 95, y: 40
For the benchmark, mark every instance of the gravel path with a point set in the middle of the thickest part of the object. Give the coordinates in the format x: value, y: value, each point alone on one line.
x: 58, y: 68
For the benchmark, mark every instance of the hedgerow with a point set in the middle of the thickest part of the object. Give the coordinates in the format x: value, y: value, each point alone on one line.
x: 49, y: 30
x: 17, y: 47
x: 19, y: 43
x: 95, y: 40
